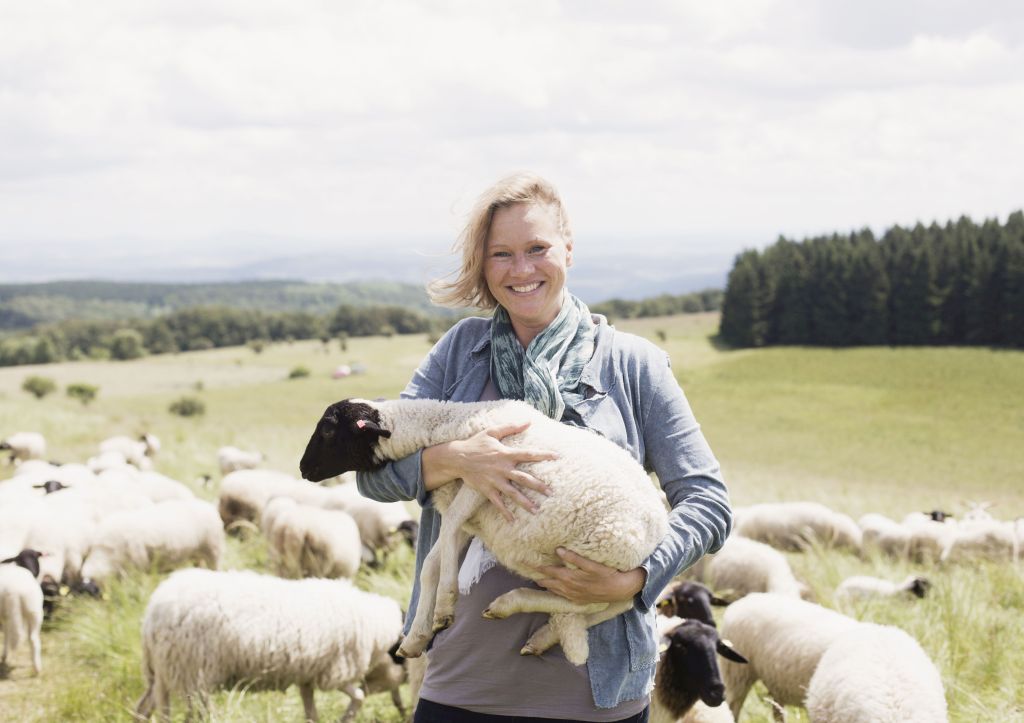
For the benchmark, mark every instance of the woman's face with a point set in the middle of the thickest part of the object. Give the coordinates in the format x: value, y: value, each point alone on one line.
x: 525, y: 262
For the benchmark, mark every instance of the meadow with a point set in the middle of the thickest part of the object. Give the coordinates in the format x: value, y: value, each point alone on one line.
x: 882, y: 429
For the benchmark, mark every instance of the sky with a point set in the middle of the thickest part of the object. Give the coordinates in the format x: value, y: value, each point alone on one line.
x: 217, y: 132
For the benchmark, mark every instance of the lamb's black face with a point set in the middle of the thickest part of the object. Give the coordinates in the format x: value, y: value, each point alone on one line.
x: 344, y: 440
x: 689, y: 600
x: 28, y: 559
x: 691, y: 648
x: 920, y: 586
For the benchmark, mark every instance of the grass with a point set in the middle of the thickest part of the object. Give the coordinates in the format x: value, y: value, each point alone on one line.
x: 872, y: 429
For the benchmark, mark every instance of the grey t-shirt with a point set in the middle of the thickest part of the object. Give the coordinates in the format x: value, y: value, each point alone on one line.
x: 475, y: 664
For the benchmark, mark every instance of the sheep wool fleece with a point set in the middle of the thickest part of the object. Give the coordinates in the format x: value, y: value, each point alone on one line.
x: 633, y: 399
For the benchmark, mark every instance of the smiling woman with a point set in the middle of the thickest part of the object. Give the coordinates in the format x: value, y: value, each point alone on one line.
x: 542, y: 345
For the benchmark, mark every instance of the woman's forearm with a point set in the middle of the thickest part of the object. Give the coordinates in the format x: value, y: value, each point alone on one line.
x: 437, y: 465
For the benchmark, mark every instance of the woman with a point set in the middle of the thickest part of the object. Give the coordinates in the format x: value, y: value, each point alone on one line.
x: 544, y: 346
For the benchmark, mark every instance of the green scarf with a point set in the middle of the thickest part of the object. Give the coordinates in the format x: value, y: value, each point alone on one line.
x: 547, y: 373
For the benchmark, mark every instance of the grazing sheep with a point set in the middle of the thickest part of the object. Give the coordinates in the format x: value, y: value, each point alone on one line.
x: 795, y: 525
x: 886, y: 535
x: 783, y: 638
x: 232, y: 458
x: 244, y: 493
x: 24, y: 446
x: 138, y: 452
x: 27, y: 559
x: 981, y: 539
x: 876, y: 674
x: 690, y: 600
x: 688, y: 685
x: 21, y: 611
x: 168, y: 534
x: 379, y: 522
x: 744, y: 566
x: 864, y: 586
x: 309, y: 541
x: 603, y: 506
x: 928, y: 538
x: 207, y: 630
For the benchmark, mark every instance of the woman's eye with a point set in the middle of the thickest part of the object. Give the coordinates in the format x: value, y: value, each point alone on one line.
x: 538, y: 249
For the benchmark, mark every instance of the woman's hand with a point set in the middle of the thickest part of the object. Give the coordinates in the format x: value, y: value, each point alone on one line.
x: 582, y: 580
x: 488, y: 466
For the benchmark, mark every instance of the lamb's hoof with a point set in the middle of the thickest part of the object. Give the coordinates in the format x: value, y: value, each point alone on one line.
x: 403, y: 653
x: 443, y: 622
x: 530, y: 650
x: 490, y: 615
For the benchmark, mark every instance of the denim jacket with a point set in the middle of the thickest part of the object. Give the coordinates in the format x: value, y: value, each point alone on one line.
x: 633, y: 399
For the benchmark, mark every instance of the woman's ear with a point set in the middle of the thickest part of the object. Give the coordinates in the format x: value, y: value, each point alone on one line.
x: 568, y: 254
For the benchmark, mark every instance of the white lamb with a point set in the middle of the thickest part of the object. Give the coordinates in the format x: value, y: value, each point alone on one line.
x: 309, y: 541
x: 208, y: 630
x: 928, y: 537
x: 864, y: 587
x: 981, y: 539
x: 244, y: 493
x: 876, y: 674
x: 881, y: 533
x: 138, y: 452
x: 783, y: 638
x: 21, y: 611
x: 230, y: 459
x: 603, y: 506
x: 795, y: 525
x: 744, y: 566
x: 24, y: 446
x: 168, y: 534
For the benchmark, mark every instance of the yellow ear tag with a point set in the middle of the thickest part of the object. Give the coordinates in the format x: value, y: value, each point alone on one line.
x: 726, y: 643
x: 662, y: 648
x: 64, y: 590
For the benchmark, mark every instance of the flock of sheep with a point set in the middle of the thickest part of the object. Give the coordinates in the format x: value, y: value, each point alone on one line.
x: 71, y: 527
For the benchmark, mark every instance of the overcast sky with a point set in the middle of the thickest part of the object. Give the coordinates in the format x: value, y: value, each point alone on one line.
x: 241, y: 129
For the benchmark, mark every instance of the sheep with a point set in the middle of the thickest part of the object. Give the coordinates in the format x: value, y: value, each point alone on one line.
x: 24, y: 446
x: 795, y: 525
x: 137, y: 452
x: 783, y: 638
x: 206, y: 630
x: 981, y: 539
x: 232, y: 458
x: 311, y: 542
x: 864, y: 586
x: 690, y: 600
x: 167, y: 534
x: 379, y: 522
x: 876, y: 674
x: 688, y: 684
x: 603, y: 506
x: 21, y: 612
x: 928, y: 537
x: 27, y: 559
x: 744, y: 566
x: 884, y: 534
x: 244, y: 493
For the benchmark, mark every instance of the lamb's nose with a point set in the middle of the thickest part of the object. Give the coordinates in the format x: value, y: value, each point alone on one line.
x: 714, y: 695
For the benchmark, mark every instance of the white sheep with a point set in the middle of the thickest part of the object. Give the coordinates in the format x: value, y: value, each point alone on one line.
x: 783, y: 638
x: 885, y: 535
x: 865, y: 586
x: 24, y: 446
x: 603, y: 507
x: 929, y: 538
x: 876, y: 674
x: 21, y: 611
x: 138, y: 452
x: 795, y: 525
x: 207, y: 630
x: 379, y: 522
x: 982, y: 539
x: 230, y: 459
x: 744, y: 566
x: 168, y: 534
x: 311, y: 542
x: 245, y: 492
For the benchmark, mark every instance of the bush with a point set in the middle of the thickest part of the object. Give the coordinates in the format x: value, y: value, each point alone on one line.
x: 84, y: 393
x: 39, y: 387
x: 188, y: 407
x: 126, y: 344
x: 258, y: 345
x: 298, y: 373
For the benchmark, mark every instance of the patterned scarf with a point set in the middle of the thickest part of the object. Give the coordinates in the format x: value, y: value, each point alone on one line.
x: 547, y: 373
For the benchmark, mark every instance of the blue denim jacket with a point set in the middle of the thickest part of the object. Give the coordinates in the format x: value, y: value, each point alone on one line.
x: 634, y: 400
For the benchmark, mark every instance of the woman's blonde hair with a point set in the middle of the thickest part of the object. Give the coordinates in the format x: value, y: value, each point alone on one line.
x: 468, y: 287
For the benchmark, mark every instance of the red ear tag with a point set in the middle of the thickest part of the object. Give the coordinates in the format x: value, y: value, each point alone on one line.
x: 361, y: 424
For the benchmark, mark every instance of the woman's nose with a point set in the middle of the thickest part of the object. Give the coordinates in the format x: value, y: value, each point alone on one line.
x: 522, y: 265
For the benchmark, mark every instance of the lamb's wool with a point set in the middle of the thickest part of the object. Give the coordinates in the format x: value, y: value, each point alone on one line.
x: 21, y: 611
x: 744, y: 566
x: 865, y: 586
x: 981, y: 539
x: 311, y: 542
x: 783, y: 638
x: 876, y: 674
x: 889, y: 537
x: 795, y: 525
x: 230, y: 459
x: 206, y: 630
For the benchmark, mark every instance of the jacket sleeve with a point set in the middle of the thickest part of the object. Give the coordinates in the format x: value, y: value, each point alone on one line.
x: 701, y: 518
x: 403, y: 478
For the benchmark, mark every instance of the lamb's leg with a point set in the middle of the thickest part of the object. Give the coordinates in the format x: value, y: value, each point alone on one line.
x: 420, y: 633
x: 396, y: 698
x: 37, y: 660
x: 355, y: 692
x: 306, y: 691
x: 452, y: 537
x: 738, y: 680
x: 530, y: 600
x: 547, y: 635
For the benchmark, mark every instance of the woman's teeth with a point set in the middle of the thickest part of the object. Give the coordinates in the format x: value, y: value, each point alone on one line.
x: 526, y: 289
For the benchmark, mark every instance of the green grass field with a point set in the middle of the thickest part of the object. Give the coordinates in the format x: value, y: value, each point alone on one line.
x: 874, y: 429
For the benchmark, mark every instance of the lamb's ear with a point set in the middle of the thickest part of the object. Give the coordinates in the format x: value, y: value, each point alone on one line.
x: 725, y: 649
x: 664, y: 644
x: 367, y: 425
x: 720, y: 602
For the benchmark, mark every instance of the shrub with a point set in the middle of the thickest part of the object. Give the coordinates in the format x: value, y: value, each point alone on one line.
x: 298, y: 373
x: 126, y: 344
x: 84, y: 393
x: 257, y: 346
x: 187, y: 407
x: 39, y: 387
x: 660, y: 333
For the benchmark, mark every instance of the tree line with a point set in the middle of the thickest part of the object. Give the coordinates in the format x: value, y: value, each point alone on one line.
x: 958, y: 284
x: 661, y: 305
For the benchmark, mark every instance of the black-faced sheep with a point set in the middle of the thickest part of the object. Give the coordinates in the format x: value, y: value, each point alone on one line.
x: 21, y: 611
x: 691, y: 600
x: 24, y: 446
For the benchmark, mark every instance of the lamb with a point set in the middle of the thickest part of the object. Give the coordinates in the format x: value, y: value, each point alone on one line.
x: 244, y: 493
x: 981, y: 539
x: 864, y: 586
x: 795, y: 525
x: 232, y: 458
x: 137, y: 452
x: 876, y: 674
x: 783, y: 638
x: 168, y: 534
x: 206, y: 630
x: 928, y: 537
x: 690, y: 600
x: 24, y: 446
x: 884, y: 534
x: 603, y: 506
x: 688, y: 685
x: 27, y: 559
x: 744, y: 566
x: 21, y: 612
x: 309, y: 541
